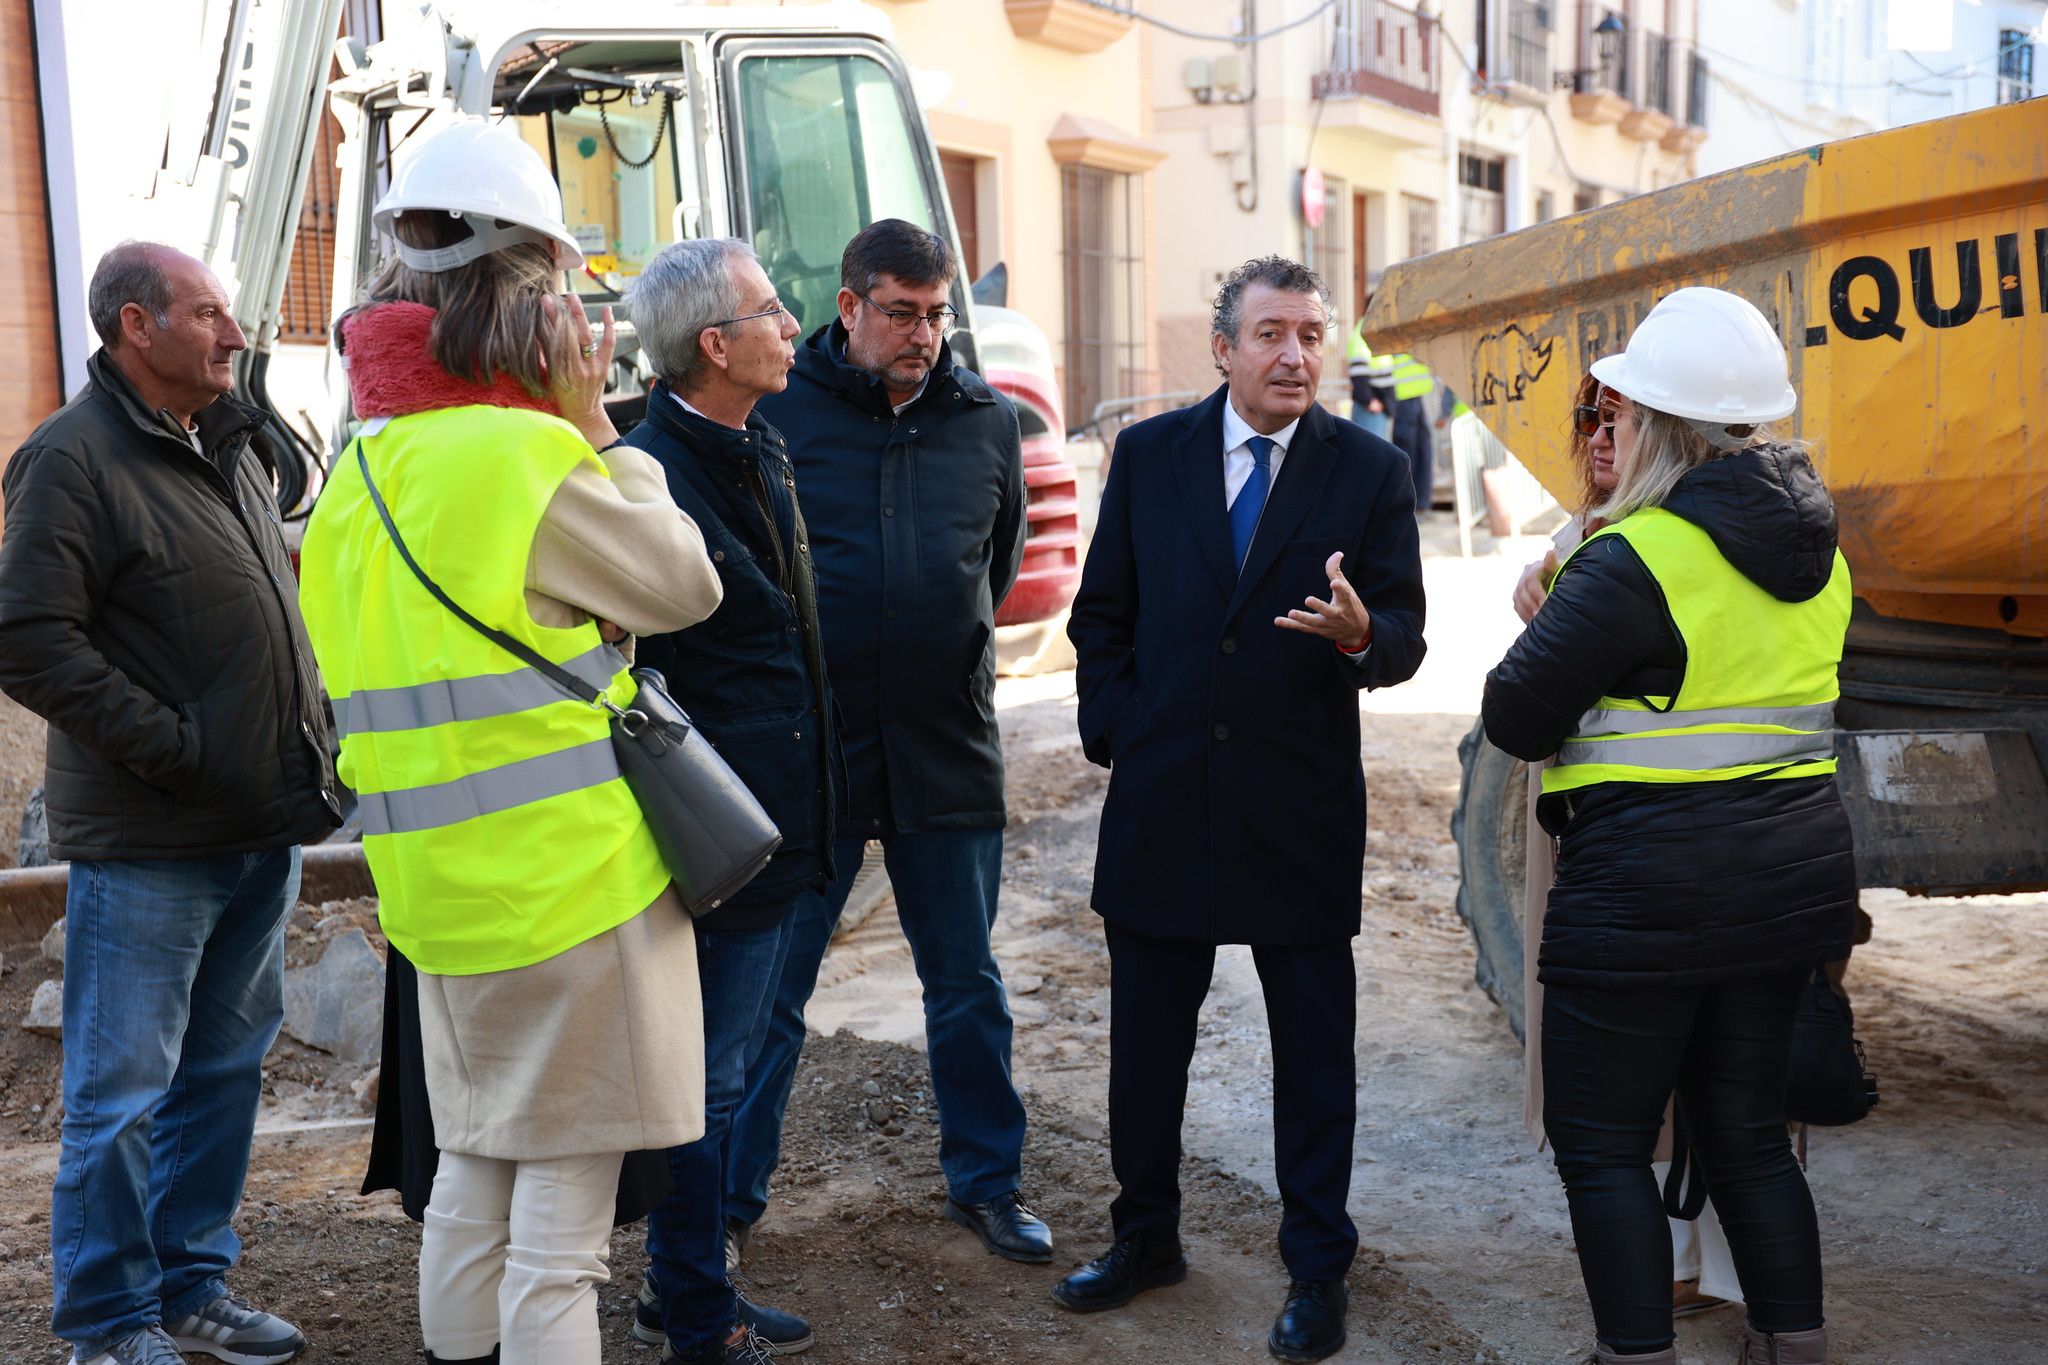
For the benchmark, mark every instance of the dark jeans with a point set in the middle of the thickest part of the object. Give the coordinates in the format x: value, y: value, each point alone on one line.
x: 945, y: 883
x: 1156, y: 987
x: 736, y: 972
x: 173, y: 993
x: 1412, y: 434
x: 1611, y: 1060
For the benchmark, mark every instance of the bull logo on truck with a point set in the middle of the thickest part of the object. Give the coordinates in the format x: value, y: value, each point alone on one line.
x: 1506, y: 363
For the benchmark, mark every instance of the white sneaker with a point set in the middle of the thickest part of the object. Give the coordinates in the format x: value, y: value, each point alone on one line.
x: 231, y: 1330
x: 147, y: 1347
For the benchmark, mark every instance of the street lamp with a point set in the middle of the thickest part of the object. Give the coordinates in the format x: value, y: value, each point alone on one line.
x: 1608, y: 35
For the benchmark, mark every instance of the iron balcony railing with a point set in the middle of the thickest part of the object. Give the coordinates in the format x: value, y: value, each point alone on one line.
x: 1383, y: 50
x: 1696, y: 92
x: 1657, y: 56
x: 1525, y: 55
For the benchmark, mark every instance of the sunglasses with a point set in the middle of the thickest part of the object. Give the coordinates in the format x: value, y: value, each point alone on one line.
x: 1587, y: 420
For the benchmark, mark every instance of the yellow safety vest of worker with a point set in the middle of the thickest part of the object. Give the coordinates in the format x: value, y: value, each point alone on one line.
x: 1760, y: 685
x: 496, y: 823
x: 1360, y: 362
x: 1412, y: 378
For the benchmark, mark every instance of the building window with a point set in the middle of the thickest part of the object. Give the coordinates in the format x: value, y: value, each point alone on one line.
x: 1102, y: 236
x: 1323, y: 247
x: 1585, y: 197
x: 1421, y: 224
x: 1482, y: 197
x: 1546, y: 206
x: 1523, y: 55
x: 2015, y: 65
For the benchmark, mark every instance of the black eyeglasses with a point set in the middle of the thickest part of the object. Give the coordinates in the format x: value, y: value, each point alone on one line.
x: 905, y: 324
x: 749, y: 317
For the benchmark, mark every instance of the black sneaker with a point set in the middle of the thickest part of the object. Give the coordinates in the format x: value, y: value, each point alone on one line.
x: 780, y: 1333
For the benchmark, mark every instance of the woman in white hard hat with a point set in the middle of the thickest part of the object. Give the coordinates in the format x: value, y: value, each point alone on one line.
x: 557, y: 983
x: 1703, y: 1272
x: 1683, y: 674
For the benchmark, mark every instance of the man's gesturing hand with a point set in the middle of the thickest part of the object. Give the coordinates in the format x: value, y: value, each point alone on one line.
x: 1343, y: 619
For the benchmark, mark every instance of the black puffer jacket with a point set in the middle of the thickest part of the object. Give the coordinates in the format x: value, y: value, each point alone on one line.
x: 752, y: 674
x: 1689, y: 883
x: 148, y: 612
x: 918, y: 524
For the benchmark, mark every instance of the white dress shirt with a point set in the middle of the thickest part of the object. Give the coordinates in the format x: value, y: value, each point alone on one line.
x: 1237, y: 452
x: 1237, y: 471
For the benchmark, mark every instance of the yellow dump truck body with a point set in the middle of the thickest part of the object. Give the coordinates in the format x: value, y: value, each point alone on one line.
x: 1907, y: 273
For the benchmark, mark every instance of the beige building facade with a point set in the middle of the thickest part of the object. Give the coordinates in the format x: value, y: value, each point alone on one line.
x: 1042, y: 113
x: 1379, y: 131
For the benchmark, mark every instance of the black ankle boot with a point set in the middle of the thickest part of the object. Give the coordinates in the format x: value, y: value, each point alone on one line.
x: 491, y: 1359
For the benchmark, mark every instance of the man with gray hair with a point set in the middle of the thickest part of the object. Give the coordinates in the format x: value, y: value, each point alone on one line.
x: 752, y: 675
x: 148, y: 613
x: 1255, y: 565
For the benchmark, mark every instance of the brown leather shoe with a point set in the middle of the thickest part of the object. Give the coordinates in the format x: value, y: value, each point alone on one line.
x: 1602, y: 1356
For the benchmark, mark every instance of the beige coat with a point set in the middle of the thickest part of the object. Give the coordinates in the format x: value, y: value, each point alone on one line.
x: 600, y: 1048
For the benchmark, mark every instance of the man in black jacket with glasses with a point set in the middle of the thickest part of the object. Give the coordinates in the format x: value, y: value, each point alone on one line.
x: 913, y: 485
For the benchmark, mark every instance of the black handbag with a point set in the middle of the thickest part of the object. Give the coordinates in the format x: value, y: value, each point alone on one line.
x: 1829, y: 1086
x: 1826, y: 1088
x: 713, y: 835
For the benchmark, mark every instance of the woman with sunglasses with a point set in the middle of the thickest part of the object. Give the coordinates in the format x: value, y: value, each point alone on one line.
x: 1683, y: 674
x: 1703, y: 1272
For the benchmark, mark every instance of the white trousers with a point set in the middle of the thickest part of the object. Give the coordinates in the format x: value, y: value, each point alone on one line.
x: 512, y: 1256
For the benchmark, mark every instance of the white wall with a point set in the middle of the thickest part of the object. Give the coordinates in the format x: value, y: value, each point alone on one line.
x: 115, y: 74
x: 1787, y: 74
x: 1964, y: 76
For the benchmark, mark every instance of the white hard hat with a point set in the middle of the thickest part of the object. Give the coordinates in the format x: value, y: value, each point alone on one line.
x: 1707, y: 355
x: 484, y: 173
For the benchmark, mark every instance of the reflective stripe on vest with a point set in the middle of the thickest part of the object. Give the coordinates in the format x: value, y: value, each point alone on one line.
x: 494, y: 694
x: 1758, y: 696
x: 1695, y: 751
x: 491, y: 791
x: 496, y: 823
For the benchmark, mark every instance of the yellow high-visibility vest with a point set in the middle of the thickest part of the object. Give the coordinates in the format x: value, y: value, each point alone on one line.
x: 1412, y: 378
x: 1760, y: 686
x: 496, y: 823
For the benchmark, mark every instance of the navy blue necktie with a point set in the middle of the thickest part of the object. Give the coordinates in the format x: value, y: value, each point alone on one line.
x: 1251, y: 499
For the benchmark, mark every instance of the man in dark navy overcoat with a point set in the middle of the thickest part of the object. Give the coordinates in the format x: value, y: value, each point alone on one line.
x: 1255, y: 565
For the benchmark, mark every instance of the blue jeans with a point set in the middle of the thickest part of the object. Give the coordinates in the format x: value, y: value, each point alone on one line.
x: 173, y: 993
x: 946, y: 883
x: 686, y: 1231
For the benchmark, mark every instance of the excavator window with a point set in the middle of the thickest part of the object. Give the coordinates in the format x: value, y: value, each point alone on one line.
x: 614, y: 129
x: 827, y: 149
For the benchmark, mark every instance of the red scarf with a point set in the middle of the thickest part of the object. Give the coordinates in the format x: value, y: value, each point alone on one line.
x: 392, y: 373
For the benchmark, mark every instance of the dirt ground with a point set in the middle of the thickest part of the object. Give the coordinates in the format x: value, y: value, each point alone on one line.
x: 1932, y: 1210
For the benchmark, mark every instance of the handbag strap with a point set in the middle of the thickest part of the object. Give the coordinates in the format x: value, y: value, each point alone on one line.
x: 555, y: 674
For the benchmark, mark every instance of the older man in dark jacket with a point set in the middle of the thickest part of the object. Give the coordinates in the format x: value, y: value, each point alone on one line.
x: 913, y: 480
x: 148, y: 612
x: 752, y: 676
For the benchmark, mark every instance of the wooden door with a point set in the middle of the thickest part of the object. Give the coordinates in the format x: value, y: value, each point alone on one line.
x: 960, y: 171
x: 1359, y: 275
